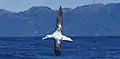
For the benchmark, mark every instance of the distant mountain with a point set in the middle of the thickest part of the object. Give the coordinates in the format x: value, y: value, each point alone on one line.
x: 87, y: 20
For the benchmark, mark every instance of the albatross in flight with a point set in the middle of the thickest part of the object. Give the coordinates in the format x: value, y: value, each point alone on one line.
x: 58, y: 34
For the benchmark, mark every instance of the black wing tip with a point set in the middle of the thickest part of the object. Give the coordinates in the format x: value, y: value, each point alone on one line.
x: 60, y: 8
x: 57, y: 53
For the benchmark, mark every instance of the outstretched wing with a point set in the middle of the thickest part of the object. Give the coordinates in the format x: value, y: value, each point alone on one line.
x: 59, y: 23
x: 44, y: 38
x: 47, y: 36
x: 66, y: 38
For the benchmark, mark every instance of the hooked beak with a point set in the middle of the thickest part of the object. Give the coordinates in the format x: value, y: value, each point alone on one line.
x: 44, y: 38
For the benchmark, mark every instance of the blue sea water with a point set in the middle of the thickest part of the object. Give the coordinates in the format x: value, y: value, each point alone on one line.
x: 81, y: 48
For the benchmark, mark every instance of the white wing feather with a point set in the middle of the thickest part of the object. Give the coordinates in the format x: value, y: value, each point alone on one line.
x: 66, y: 38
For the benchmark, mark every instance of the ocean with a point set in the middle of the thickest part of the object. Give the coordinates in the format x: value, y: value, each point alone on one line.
x: 85, y: 47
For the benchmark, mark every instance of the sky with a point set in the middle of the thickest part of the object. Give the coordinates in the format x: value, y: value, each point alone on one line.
x: 21, y: 5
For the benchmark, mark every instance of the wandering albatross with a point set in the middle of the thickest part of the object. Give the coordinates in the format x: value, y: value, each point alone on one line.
x: 58, y: 34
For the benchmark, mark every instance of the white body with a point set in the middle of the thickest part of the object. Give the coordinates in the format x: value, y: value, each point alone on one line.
x: 58, y: 36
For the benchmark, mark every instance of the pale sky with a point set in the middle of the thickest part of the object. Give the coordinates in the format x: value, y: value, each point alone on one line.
x: 21, y: 5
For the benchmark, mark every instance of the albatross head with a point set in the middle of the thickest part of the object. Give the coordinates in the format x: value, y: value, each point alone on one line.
x: 47, y: 36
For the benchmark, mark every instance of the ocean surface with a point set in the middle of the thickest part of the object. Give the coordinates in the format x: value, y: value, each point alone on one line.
x: 80, y: 48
